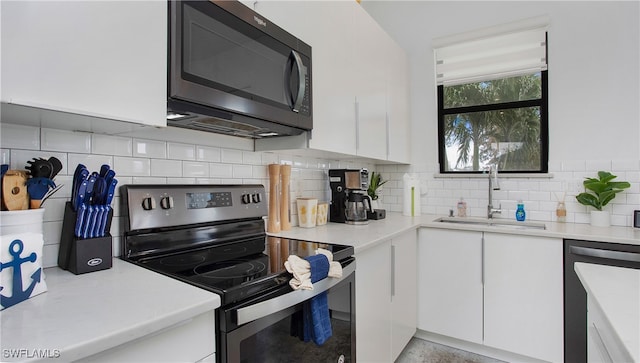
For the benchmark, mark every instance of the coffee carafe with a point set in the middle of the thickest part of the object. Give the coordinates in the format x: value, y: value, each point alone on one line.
x: 358, y: 204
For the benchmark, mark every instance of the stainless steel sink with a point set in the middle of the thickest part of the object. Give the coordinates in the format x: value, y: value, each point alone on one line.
x: 492, y: 222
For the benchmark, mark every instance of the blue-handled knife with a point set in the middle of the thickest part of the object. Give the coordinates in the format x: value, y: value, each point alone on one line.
x: 80, y: 195
x: 87, y: 223
x: 82, y: 211
x: 88, y: 194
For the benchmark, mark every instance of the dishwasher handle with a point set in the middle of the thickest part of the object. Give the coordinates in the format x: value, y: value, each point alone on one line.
x: 608, y: 254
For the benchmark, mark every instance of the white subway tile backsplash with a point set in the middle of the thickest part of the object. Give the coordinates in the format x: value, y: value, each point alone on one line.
x: 20, y: 137
x: 111, y: 145
x: 624, y: 165
x: 147, y: 180
x: 574, y: 165
x: 270, y: 158
x: 149, y: 149
x: 598, y: 165
x: 242, y: 171
x: 181, y: 180
x: 251, y: 158
x: 231, y: 156
x: 195, y: 169
x: 132, y: 166
x: 181, y: 151
x: 217, y: 170
x: 92, y: 162
x: 166, y: 168
x: 208, y: 153
x: 63, y: 140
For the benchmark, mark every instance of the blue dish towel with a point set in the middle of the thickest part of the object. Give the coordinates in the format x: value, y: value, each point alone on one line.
x: 316, y: 320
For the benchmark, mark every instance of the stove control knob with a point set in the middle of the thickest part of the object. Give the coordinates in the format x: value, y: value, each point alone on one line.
x: 166, y: 202
x: 148, y: 203
x: 256, y: 197
x: 246, y: 198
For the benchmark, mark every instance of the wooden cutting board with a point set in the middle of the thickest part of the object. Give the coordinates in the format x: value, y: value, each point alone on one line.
x: 14, y: 190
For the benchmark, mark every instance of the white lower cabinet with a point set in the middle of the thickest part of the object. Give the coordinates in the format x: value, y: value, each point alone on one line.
x: 450, y: 283
x: 386, y: 298
x: 192, y: 340
x: 523, y: 296
x: 500, y: 290
x: 404, y: 295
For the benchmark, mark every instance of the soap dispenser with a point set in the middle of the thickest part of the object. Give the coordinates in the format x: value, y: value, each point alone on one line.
x: 520, y: 213
x: 462, y: 208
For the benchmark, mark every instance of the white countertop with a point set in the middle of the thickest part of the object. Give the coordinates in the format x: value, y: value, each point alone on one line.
x: 616, y: 291
x: 377, y: 231
x: 81, y: 315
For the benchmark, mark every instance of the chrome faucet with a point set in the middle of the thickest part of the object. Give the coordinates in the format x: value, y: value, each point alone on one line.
x: 493, y: 174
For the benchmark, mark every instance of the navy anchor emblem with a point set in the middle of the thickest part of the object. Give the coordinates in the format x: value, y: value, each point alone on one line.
x: 15, y: 249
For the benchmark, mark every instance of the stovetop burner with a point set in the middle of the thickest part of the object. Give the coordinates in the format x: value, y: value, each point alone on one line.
x: 230, y: 269
x: 182, y: 260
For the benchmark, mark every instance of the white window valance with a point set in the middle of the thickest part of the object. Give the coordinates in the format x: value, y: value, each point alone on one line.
x: 491, y: 53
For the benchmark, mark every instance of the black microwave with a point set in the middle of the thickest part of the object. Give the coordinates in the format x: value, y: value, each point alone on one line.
x: 232, y: 71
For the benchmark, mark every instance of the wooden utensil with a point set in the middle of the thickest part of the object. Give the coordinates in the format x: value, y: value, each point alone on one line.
x: 273, y: 224
x: 285, y: 174
x: 14, y: 190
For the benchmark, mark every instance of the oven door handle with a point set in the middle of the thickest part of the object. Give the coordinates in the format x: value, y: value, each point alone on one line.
x: 264, y: 308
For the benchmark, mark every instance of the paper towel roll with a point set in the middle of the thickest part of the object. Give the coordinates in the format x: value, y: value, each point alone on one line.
x: 411, y: 196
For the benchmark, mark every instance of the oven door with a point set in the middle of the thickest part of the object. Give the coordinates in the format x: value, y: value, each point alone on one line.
x: 264, y: 330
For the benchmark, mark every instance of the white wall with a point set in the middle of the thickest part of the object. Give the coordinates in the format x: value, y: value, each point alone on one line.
x: 594, y: 107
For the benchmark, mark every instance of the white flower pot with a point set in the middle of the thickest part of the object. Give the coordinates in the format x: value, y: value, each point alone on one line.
x: 600, y: 218
x: 375, y: 204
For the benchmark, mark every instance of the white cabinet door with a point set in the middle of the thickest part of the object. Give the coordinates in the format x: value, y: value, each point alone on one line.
x: 371, y: 63
x: 523, y: 310
x: 97, y: 58
x: 404, y: 298
x: 360, y: 92
x: 398, y: 122
x: 328, y: 28
x: 450, y: 283
x: 373, y: 304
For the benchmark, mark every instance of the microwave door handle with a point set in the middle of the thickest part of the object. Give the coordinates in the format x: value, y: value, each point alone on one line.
x: 302, y: 73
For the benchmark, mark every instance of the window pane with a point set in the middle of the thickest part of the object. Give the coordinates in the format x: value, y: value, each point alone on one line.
x: 521, y: 88
x: 511, y: 137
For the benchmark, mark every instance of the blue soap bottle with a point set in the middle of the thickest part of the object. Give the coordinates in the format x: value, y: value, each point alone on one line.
x: 520, y: 213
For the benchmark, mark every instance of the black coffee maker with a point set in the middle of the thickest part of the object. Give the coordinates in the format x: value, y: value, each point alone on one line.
x: 349, y: 200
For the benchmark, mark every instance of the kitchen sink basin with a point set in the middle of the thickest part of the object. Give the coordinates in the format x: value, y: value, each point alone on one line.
x: 492, y: 222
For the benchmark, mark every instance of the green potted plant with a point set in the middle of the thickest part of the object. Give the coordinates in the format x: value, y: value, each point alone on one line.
x: 598, y: 193
x: 375, y: 182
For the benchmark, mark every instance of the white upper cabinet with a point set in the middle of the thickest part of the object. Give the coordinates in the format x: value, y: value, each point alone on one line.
x: 359, y: 78
x: 371, y: 59
x: 98, y: 58
x: 398, y: 117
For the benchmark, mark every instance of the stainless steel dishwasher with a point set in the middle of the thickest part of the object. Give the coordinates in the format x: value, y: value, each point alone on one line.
x: 575, y: 297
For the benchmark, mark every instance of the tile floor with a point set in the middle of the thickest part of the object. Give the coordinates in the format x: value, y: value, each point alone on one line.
x: 422, y: 351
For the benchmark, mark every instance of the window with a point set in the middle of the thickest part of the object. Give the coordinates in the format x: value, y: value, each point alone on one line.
x: 492, y: 104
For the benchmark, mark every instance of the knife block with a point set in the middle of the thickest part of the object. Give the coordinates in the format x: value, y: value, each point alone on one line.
x: 80, y: 255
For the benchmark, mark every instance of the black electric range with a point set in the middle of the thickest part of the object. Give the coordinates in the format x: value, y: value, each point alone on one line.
x: 211, y: 236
